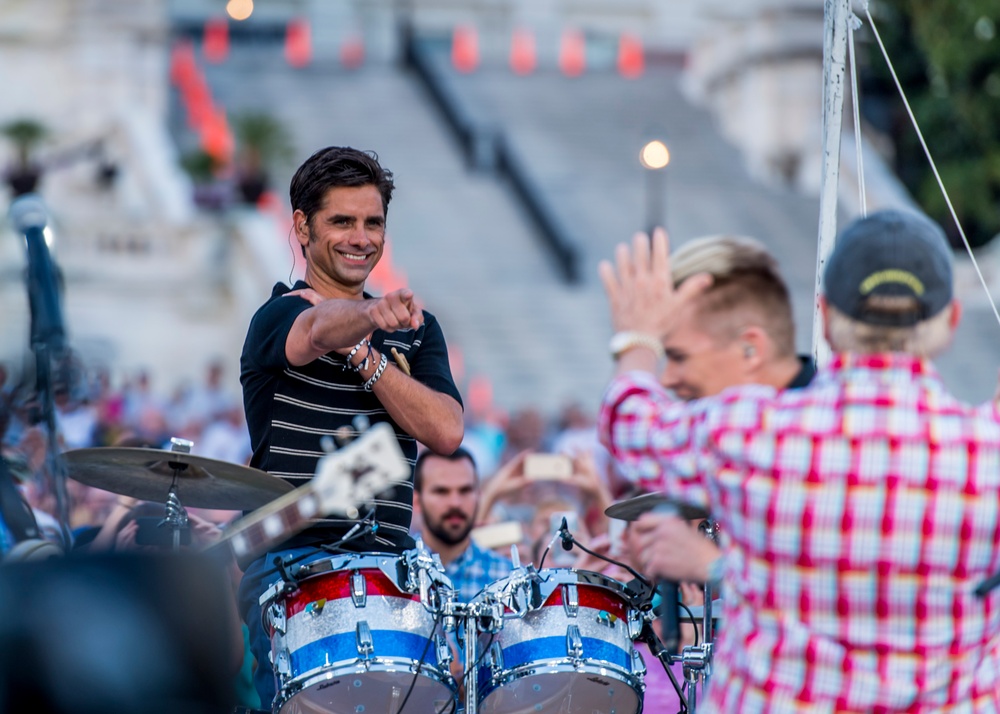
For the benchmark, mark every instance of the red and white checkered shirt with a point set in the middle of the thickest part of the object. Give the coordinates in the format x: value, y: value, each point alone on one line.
x: 861, y: 513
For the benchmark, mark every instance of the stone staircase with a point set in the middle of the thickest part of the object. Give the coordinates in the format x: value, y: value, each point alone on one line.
x: 459, y: 237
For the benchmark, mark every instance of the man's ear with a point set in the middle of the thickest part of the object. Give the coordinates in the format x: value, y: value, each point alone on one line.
x: 756, y: 346
x: 301, y: 225
x: 956, y: 314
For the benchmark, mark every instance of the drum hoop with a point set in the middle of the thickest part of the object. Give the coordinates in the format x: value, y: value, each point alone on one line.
x: 554, y: 577
x: 358, y: 666
x: 563, y: 666
x: 348, y: 561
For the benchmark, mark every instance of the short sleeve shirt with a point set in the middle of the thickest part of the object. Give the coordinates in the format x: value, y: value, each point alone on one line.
x: 289, y: 409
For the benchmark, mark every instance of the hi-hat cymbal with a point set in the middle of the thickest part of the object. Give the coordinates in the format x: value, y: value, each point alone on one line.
x: 630, y: 509
x: 147, y: 474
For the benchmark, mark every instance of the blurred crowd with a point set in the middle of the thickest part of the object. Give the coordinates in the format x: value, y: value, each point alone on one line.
x: 95, y: 412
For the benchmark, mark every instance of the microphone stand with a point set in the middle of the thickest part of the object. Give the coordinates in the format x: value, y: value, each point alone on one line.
x: 55, y: 465
x: 48, y: 338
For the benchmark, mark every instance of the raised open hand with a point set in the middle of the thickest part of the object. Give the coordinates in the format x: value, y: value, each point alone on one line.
x: 640, y: 288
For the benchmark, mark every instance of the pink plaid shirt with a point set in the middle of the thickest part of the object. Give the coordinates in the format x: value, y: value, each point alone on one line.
x: 860, y: 514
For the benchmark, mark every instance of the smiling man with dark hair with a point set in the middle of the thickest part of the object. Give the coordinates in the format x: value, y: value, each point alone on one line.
x: 317, y: 355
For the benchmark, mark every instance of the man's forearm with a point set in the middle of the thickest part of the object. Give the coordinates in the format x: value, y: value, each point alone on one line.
x: 432, y: 418
x: 330, y: 325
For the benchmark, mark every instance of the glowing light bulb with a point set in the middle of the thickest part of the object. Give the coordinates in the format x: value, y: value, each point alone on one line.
x: 654, y: 155
x: 239, y: 9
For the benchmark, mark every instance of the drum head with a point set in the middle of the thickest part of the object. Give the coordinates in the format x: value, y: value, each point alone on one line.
x: 581, y: 692
x: 370, y: 692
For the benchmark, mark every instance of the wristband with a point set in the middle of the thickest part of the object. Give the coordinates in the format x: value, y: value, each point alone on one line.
x: 366, y: 361
x: 378, y: 373
x: 622, y: 342
x: 354, y: 351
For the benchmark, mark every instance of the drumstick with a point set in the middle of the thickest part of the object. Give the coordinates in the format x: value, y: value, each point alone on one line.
x: 401, y: 361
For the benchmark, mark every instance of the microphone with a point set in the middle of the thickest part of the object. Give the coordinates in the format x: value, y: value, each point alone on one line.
x: 565, y: 535
x: 29, y: 216
x: 670, y: 615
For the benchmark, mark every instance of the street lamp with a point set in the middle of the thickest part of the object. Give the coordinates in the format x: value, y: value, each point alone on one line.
x: 654, y: 157
x: 239, y: 9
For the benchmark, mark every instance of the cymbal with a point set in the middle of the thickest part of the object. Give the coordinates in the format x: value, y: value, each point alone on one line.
x: 631, y: 508
x: 147, y: 474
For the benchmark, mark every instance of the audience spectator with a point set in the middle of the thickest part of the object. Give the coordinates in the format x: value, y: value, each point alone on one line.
x: 447, y: 494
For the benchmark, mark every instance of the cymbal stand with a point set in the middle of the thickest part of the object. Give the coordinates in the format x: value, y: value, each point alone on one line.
x: 467, y: 620
x: 471, y: 661
x: 697, y: 660
x: 176, y: 517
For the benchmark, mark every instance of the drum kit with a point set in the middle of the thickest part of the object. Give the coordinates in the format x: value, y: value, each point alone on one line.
x: 374, y: 632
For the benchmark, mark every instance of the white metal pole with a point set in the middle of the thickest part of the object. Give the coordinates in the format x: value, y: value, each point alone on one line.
x: 836, y: 25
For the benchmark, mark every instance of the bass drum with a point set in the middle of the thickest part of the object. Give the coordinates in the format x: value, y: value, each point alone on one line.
x: 572, y: 654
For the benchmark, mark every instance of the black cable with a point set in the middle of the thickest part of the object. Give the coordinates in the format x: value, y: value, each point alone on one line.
x: 679, y: 688
x: 694, y: 622
x: 648, y: 636
x: 333, y: 548
x: 420, y: 664
x: 632, y: 571
x: 541, y: 563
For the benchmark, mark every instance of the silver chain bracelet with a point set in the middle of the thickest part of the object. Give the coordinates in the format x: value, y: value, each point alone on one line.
x: 378, y: 373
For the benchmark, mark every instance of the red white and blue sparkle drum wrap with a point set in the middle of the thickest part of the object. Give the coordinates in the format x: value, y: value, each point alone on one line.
x: 350, y: 639
x: 573, y: 654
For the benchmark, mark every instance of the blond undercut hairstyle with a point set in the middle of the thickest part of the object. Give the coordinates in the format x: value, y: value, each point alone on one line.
x: 747, y: 290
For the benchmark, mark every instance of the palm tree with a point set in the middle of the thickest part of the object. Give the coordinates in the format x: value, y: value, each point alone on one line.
x: 25, y: 135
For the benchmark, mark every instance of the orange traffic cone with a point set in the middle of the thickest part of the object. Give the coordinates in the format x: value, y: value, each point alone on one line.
x: 182, y: 64
x: 352, y: 51
x: 573, y: 53
x: 465, y: 48
x: 631, y: 62
x: 215, y: 45
x: 217, y: 139
x: 523, y: 57
x: 298, y: 43
x: 197, y: 100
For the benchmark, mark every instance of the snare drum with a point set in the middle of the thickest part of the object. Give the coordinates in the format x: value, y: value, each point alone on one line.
x: 572, y: 654
x: 352, y: 635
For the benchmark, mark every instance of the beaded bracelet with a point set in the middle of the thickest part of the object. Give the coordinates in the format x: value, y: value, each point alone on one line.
x: 378, y: 373
x: 354, y: 351
x: 366, y: 361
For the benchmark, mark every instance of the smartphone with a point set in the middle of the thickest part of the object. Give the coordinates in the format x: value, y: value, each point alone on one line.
x: 547, y: 467
x: 152, y: 533
x: 498, y: 535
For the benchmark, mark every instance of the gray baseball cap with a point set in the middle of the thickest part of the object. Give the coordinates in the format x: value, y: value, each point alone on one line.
x: 892, y: 253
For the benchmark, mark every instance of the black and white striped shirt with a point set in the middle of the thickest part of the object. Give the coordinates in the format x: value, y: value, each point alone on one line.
x: 290, y: 408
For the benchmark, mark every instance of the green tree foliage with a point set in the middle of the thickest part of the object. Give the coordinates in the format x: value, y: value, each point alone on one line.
x: 947, y: 55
